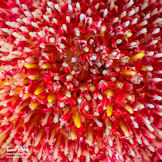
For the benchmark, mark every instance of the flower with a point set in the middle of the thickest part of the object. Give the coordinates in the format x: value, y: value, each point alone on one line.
x: 81, y: 80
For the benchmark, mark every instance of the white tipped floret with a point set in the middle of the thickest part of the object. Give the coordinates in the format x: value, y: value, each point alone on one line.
x: 12, y: 24
x: 97, y: 6
x: 42, y: 45
x: 52, y: 30
x: 49, y: 10
x: 147, y: 16
x: 123, y: 14
x: 151, y: 148
x: 127, y: 23
x: 153, y: 42
x: 34, y: 24
x: 151, y: 53
x: 134, y: 21
x: 159, y: 98
x: 132, y: 12
x: 143, y: 23
x: 78, y: 5
x: 98, y: 123
x: 158, y: 55
x: 56, y: 118
x: 15, y: 10
x: 79, y: 100
x: 157, y: 30
x: 69, y: 77
x: 144, y: 5
x: 52, y: 39
x: 41, y: 33
x: 62, y: 46
x: 105, y: 12
x: 55, y: 20
x: 70, y: 7
x: 90, y: 21
x: 82, y: 17
x: 143, y: 31
x: 158, y: 20
x: 73, y: 59
x: 116, y: 19
x: 130, y: 3
x: 157, y: 79
x: 86, y: 108
x: 104, y: 72
x: 89, y: 11
x: 64, y: 27
x: 46, y: 18
x: 62, y: 104
x: 6, y: 30
x: 154, y: 12
x: 100, y: 97
x: 32, y: 34
x: 159, y: 72
x: 68, y: 19
x: 27, y: 13
x: 50, y: 4
x: 24, y: 29
x: 119, y: 41
x: 57, y: 7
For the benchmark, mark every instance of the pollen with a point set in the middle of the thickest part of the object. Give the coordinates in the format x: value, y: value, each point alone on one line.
x: 124, y: 128
x: 128, y: 34
x: 27, y: 95
x: 38, y: 91
x: 138, y: 56
x: 109, y: 110
x: 77, y: 120
x: 73, y: 134
x: 33, y: 105
x: 109, y: 93
x: 128, y: 108
x: 46, y: 66
x: 129, y: 72
x: 51, y: 98
x: 34, y: 77
x: 31, y: 66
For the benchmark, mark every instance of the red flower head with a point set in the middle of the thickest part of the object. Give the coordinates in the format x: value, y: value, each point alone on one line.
x: 80, y: 80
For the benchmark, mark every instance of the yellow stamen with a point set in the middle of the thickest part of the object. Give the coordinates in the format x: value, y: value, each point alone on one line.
x: 109, y: 93
x: 27, y: 95
x: 77, y: 120
x: 128, y: 108
x: 128, y: 34
x: 31, y: 66
x: 3, y: 137
x: 2, y: 83
x: 119, y: 84
x: 38, y: 91
x: 51, y: 98
x: 73, y: 134
x: 146, y: 68
x: 34, y: 77
x: 109, y: 110
x: 92, y: 88
x: 130, y: 97
x: 90, y: 137
x: 46, y: 66
x: 103, y: 29
x: 4, y: 111
x: 138, y: 56
x: 124, y: 128
x: 129, y: 72
x: 34, y: 105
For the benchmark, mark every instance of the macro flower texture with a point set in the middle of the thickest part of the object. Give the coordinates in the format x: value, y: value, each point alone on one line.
x: 81, y: 80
